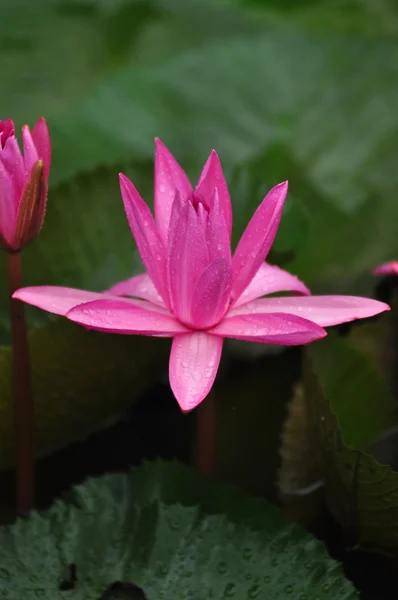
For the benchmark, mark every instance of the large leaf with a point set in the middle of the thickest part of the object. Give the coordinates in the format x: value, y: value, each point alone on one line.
x: 300, y: 477
x: 349, y: 408
x: 372, y: 18
x: 350, y: 379
x: 329, y: 114
x: 81, y: 380
x: 43, y: 73
x: 171, y: 532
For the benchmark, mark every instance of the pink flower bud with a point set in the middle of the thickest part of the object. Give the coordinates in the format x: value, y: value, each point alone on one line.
x: 23, y: 183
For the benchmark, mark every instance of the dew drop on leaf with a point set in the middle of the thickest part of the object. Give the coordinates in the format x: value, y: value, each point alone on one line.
x: 247, y: 553
x: 229, y: 591
x: 222, y: 567
x: 288, y: 589
x: 253, y: 591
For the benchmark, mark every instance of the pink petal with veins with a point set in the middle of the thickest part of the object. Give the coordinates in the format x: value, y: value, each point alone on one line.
x: 211, y: 294
x: 270, y: 279
x: 193, y: 366
x: 125, y: 317
x: 169, y: 177
x: 42, y: 142
x: 12, y: 160
x: 276, y: 329
x: 187, y: 259
x: 211, y: 178
x: 217, y: 236
x: 8, y: 205
x: 140, y: 286
x: 257, y: 238
x: 323, y: 310
x: 29, y: 150
x: 55, y: 299
x: 146, y: 236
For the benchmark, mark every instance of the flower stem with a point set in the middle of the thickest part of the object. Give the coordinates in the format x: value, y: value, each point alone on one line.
x: 206, y: 446
x: 23, y: 401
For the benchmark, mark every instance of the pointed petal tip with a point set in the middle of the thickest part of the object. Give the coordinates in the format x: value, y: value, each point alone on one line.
x: 41, y: 121
x: 159, y: 145
x: 383, y: 307
x: 193, y: 366
x: 185, y: 407
x: 283, y: 186
x: 18, y: 294
x: 126, y: 186
x: 326, y: 311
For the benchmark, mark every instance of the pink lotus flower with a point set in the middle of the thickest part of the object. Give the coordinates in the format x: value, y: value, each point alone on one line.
x: 194, y: 290
x: 389, y: 268
x: 23, y: 183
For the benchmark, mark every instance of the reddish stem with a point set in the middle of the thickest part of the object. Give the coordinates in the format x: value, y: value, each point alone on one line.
x: 23, y: 401
x: 206, y: 446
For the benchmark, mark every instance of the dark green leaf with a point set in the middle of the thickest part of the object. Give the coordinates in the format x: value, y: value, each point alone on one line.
x: 300, y: 478
x: 349, y: 407
x: 126, y: 528
x: 356, y: 390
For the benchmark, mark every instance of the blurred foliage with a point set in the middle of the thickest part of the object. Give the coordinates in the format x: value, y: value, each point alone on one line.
x: 172, y: 533
x: 344, y: 406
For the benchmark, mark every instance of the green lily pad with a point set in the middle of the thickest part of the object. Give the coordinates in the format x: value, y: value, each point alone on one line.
x: 214, y: 542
